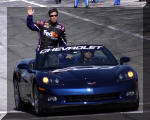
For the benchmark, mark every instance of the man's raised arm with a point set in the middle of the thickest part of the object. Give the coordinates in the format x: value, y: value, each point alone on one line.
x: 30, y: 24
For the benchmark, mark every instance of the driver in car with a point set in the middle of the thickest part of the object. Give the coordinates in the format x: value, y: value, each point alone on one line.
x: 86, y: 57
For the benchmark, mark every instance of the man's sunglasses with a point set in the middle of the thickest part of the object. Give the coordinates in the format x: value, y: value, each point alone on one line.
x: 53, y: 15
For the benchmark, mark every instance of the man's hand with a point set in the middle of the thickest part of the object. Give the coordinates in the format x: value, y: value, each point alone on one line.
x: 69, y: 57
x: 30, y: 10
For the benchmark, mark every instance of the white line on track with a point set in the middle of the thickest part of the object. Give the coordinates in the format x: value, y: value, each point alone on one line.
x: 33, y: 3
x: 3, y: 112
x: 88, y: 20
x: 12, y: 111
x: 103, y: 25
x: 9, y: 0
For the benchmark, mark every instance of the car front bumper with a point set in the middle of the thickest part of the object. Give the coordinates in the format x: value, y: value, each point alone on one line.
x: 58, y: 98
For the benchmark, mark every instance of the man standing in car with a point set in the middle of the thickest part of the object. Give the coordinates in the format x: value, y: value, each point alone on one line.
x: 51, y: 33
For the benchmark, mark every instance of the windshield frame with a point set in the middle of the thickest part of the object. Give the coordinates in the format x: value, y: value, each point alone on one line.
x: 62, y: 51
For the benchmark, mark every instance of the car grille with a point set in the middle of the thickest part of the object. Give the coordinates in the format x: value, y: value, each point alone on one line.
x: 91, y: 98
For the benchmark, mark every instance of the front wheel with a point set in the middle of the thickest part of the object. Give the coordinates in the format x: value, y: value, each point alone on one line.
x: 18, y: 102
x: 37, y: 105
x: 134, y: 106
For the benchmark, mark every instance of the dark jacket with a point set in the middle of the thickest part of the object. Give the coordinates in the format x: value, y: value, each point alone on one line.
x: 50, y: 34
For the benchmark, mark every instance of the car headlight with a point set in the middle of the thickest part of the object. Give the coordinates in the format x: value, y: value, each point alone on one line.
x: 130, y: 74
x: 45, y: 80
x: 126, y: 76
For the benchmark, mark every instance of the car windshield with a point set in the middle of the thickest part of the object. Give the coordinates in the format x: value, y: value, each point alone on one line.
x: 68, y: 58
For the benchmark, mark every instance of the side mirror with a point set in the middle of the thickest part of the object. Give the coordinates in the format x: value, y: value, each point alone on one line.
x: 24, y: 66
x: 124, y: 60
x: 32, y: 65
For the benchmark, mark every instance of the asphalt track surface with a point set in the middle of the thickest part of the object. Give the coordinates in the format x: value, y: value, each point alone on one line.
x: 119, y: 29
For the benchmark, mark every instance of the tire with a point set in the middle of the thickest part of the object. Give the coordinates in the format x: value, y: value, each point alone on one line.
x: 18, y: 102
x: 131, y: 106
x: 37, y: 106
x: 134, y: 106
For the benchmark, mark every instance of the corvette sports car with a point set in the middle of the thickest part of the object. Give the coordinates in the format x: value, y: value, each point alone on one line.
x: 75, y: 76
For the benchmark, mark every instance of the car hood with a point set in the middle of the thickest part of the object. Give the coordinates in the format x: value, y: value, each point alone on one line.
x: 87, y: 76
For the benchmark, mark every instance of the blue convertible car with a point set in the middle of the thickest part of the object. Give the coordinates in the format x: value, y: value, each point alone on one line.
x: 75, y: 75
